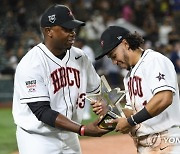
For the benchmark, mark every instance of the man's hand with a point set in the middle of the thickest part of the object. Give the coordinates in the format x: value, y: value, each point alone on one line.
x: 99, y: 107
x: 127, y: 112
x: 122, y: 125
x: 92, y: 129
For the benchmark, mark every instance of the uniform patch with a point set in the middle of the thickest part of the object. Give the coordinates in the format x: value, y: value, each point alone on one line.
x: 161, y: 76
x: 31, y: 85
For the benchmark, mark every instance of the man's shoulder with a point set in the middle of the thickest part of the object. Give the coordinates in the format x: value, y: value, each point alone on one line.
x: 152, y: 54
x: 77, y: 51
x: 31, y: 57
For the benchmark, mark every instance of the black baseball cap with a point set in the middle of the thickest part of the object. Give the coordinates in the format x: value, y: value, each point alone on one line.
x: 60, y: 15
x: 111, y: 38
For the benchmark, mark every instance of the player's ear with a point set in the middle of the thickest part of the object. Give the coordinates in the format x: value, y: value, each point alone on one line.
x: 126, y: 44
x: 48, y: 31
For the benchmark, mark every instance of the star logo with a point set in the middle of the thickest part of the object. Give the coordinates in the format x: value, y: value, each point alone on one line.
x: 160, y: 76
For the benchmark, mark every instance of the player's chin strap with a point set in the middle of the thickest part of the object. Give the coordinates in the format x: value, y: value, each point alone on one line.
x: 139, y: 117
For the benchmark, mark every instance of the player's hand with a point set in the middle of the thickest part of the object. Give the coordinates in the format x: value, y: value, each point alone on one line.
x: 122, y: 125
x: 92, y: 129
x: 127, y: 112
x: 99, y: 107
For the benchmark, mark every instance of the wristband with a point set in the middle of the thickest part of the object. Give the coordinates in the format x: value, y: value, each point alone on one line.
x: 131, y: 121
x: 82, y: 130
x: 139, y: 117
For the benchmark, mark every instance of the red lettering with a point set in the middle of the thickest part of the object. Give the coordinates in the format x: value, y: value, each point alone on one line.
x: 55, y: 80
x: 76, y: 77
x: 139, y: 87
x: 61, y: 78
x: 134, y: 86
x: 70, y: 82
x: 129, y: 88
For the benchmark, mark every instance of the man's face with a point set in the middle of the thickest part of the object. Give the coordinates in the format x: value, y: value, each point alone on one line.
x: 63, y: 38
x: 120, y: 57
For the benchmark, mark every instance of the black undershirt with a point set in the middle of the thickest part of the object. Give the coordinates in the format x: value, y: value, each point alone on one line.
x: 43, y: 112
x: 61, y: 56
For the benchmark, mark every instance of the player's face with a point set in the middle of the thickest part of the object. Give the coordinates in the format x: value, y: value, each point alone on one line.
x: 120, y: 57
x: 63, y: 38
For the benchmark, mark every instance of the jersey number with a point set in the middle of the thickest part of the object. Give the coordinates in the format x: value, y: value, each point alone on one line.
x: 81, y: 101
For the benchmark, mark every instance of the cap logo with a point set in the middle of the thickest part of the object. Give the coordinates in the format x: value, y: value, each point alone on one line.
x: 119, y: 37
x: 102, y: 43
x: 52, y: 18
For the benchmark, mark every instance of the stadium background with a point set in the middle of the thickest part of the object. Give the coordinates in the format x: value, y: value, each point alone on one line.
x: 156, y: 20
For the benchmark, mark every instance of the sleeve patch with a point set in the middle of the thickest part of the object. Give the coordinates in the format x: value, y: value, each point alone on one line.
x: 160, y: 76
x: 31, y: 85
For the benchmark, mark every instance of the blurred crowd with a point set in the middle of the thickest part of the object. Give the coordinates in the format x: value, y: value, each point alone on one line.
x: 156, y: 20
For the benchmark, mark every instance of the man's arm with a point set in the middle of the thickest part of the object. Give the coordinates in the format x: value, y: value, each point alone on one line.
x: 44, y: 113
x: 155, y: 106
x: 127, y: 112
x: 159, y: 102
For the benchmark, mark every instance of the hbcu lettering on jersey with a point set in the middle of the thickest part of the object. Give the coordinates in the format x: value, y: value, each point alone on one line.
x: 135, y: 86
x: 61, y: 78
x: 31, y: 85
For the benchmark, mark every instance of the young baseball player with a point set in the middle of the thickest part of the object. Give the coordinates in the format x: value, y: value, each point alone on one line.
x: 50, y: 86
x: 153, y: 104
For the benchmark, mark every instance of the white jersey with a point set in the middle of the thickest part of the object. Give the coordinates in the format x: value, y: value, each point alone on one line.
x: 41, y: 76
x: 153, y: 73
